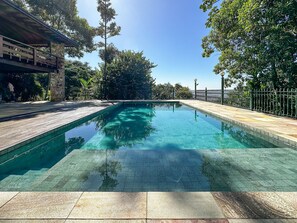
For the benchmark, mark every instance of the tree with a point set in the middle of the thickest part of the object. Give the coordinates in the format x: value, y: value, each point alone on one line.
x: 63, y: 16
x: 107, y: 29
x: 163, y: 91
x: 86, y: 85
x: 75, y: 72
x: 182, y: 92
x: 129, y: 76
x: 21, y: 87
x: 257, y: 41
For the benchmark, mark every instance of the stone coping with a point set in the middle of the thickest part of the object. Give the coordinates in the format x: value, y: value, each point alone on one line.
x: 215, y: 207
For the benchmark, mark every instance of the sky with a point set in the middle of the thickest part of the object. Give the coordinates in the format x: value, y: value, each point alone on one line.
x: 169, y: 32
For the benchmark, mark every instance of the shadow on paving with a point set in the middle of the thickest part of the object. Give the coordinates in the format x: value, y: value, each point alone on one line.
x: 21, y: 111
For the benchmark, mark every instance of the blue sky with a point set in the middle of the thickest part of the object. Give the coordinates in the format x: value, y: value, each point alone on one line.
x: 169, y: 32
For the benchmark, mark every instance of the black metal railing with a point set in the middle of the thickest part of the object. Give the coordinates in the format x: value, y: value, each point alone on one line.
x: 281, y: 102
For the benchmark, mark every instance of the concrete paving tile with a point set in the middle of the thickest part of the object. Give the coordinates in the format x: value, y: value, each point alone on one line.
x: 254, y: 205
x: 105, y: 221
x: 262, y: 220
x: 190, y: 221
x: 289, y: 197
x: 32, y: 221
x: 110, y: 205
x: 191, y: 205
x: 6, y: 196
x: 36, y: 205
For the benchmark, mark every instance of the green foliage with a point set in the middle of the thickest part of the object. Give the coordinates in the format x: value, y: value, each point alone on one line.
x: 109, y: 53
x: 107, y: 29
x: 21, y: 87
x: 63, y: 16
x: 182, y: 92
x: 78, y: 79
x: 86, y: 87
x: 129, y: 76
x: 257, y: 41
x: 168, y: 91
x: 163, y: 91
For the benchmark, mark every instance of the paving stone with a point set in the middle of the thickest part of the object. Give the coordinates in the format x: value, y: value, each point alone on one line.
x: 105, y: 221
x: 36, y: 205
x: 32, y: 221
x: 254, y: 205
x: 6, y: 196
x: 289, y: 197
x: 190, y: 221
x: 110, y: 205
x: 262, y: 220
x: 191, y: 205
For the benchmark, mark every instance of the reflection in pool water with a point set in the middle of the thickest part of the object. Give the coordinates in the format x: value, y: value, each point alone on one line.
x: 150, y: 147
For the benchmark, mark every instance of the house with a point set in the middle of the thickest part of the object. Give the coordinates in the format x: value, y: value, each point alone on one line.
x: 29, y: 45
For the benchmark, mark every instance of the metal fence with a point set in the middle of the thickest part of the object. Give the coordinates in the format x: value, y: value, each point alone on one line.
x: 281, y: 102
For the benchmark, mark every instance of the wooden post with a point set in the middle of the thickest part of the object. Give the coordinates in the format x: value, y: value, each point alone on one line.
x: 1, y: 46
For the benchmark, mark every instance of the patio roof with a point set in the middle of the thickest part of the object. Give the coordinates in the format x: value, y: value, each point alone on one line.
x: 18, y: 24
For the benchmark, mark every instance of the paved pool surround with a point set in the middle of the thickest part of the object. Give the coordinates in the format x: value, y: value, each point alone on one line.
x: 206, y: 207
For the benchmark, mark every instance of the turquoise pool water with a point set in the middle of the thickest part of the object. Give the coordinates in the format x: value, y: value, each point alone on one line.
x: 150, y: 147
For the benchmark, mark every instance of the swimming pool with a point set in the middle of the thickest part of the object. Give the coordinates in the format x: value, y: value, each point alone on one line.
x: 150, y: 147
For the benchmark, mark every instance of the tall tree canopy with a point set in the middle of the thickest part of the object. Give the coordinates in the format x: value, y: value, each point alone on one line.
x: 129, y: 76
x: 63, y: 16
x: 257, y: 41
x: 107, y: 29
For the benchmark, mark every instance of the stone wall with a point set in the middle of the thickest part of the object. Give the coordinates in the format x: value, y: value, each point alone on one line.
x: 57, y: 83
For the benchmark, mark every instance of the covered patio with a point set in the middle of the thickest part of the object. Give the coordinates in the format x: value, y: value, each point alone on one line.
x: 28, y: 45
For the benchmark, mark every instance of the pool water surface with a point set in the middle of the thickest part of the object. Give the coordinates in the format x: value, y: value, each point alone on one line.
x: 150, y: 147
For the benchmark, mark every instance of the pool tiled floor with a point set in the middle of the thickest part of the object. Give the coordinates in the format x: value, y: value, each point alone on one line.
x: 248, y: 170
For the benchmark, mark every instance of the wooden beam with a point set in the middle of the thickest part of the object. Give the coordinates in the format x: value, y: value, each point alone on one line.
x: 1, y: 46
x: 23, y: 67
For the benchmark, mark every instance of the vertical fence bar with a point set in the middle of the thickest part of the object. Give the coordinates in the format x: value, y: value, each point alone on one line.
x: 284, y: 101
x: 287, y: 113
x: 271, y: 100
x: 265, y: 100
x: 276, y: 102
x: 206, y: 94
x: 256, y: 100
x: 251, y: 100
x: 291, y: 101
x: 279, y: 100
x: 261, y: 100
x: 222, y: 89
x: 296, y: 103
